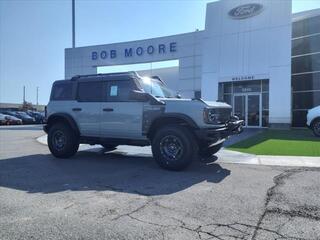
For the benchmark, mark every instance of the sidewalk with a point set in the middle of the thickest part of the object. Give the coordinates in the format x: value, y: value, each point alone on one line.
x: 228, y: 156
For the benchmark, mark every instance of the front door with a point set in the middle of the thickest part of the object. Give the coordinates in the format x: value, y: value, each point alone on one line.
x: 121, y: 117
x: 248, y: 108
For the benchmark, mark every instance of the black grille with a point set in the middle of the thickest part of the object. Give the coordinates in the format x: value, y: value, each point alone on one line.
x: 224, y: 114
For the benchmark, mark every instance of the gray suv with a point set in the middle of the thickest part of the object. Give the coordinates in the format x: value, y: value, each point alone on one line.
x: 127, y: 109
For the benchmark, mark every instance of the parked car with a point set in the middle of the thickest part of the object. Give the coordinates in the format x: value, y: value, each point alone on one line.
x: 125, y: 108
x: 313, y: 120
x: 26, y: 119
x: 40, y: 119
x: 11, y: 120
x: 3, y: 119
x: 8, y: 112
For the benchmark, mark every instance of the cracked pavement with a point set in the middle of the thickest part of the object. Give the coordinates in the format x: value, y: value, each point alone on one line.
x: 98, y: 195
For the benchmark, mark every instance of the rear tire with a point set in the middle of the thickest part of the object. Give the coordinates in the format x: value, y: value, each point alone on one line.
x: 316, y: 128
x: 208, y: 151
x: 62, y: 141
x: 173, y: 147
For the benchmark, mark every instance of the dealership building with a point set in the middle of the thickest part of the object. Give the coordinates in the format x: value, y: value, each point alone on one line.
x: 253, y: 54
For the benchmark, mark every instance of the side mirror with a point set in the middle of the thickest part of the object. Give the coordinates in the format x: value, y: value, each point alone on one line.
x: 139, y: 96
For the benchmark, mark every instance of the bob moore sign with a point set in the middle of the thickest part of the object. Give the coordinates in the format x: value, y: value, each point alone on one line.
x: 138, y: 51
x: 246, y: 11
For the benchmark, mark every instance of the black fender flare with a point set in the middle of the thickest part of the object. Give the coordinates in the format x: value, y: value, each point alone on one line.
x: 64, y: 117
x: 164, y: 117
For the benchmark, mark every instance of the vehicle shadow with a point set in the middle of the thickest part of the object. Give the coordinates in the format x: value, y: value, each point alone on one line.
x: 97, y: 171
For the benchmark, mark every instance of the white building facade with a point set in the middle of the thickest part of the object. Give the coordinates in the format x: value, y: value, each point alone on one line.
x: 243, y: 57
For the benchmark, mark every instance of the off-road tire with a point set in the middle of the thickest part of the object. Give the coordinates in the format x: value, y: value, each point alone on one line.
x: 316, y: 127
x: 182, y: 138
x: 71, y: 141
x: 208, y: 152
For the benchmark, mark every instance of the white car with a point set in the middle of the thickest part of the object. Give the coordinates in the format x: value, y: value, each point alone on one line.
x: 313, y: 120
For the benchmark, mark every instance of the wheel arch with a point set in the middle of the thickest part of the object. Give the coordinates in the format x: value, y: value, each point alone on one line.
x: 64, y: 118
x: 169, y: 118
x: 314, y: 120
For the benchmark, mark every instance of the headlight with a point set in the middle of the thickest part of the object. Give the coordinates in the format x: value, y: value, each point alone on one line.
x: 210, y: 116
x: 216, y: 115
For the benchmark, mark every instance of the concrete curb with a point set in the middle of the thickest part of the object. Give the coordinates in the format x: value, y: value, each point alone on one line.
x: 228, y: 156
x: 224, y: 156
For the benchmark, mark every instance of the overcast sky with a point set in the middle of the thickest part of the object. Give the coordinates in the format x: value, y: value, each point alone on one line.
x: 34, y: 34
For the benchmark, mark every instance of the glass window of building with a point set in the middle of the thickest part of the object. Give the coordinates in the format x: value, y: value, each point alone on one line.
x: 305, y: 27
x: 305, y: 68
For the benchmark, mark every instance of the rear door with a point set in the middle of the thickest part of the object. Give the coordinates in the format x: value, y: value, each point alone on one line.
x: 87, y: 109
x: 121, y: 117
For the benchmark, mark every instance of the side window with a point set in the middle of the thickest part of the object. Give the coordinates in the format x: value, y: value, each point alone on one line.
x: 119, y: 91
x: 89, y: 91
x: 62, y: 91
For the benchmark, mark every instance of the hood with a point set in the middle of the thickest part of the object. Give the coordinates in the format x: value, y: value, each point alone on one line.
x: 217, y: 104
x: 317, y: 109
x: 189, y: 101
x: 13, y: 118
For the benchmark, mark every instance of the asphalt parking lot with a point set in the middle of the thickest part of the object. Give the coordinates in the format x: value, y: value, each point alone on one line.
x: 98, y: 195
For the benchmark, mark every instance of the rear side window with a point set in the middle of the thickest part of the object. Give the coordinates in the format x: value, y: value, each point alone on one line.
x: 62, y: 91
x: 90, y: 91
x: 119, y: 91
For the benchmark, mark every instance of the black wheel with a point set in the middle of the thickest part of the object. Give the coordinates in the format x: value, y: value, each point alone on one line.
x: 208, y: 151
x: 62, y: 141
x: 173, y: 147
x: 109, y: 147
x: 316, y: 127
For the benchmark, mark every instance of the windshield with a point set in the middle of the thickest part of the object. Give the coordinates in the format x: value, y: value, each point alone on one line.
x: 156, y: 88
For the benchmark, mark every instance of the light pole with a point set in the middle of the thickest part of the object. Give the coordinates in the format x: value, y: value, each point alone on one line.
x: 37, y: 97
x: 73, y: 25
x: 24, y: 94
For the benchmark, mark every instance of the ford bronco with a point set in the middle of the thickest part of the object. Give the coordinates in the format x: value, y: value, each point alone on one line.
x: 127, y: 109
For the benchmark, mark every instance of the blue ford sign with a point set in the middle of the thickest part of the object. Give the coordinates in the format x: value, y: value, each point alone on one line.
x: 246, y: 11
x: 138, y: 51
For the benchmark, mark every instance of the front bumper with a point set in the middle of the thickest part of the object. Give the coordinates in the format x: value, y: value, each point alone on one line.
x: 28, y: 121
x: 217, y: 134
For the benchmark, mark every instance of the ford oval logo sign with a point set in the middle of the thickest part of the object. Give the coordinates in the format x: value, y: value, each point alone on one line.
x: 246, y: 11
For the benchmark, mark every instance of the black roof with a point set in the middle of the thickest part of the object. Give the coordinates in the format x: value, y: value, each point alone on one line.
x: 118, y: 74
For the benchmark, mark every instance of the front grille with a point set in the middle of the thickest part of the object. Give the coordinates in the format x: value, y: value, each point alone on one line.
x: 224, y: 114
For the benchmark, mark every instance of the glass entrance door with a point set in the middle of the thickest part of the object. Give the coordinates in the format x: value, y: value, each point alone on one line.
x: 248, y: 108
x: 240, y: 107
x: 253, y: 110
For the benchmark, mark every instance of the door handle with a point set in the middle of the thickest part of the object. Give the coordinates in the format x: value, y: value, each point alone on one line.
x: 76, y: 109
x: 108, y: 109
